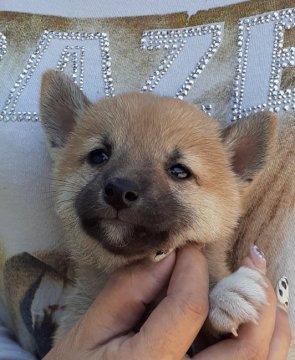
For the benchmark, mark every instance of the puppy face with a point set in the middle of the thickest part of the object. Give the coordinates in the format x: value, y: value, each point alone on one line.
x: 138, y: 175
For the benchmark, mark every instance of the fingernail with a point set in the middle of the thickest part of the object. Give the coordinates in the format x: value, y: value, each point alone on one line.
x: 258, y: 257
x: 161, y: 254
x: 282, y: 291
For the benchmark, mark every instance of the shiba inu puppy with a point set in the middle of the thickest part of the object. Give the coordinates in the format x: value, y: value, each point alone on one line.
x: 138, y: 175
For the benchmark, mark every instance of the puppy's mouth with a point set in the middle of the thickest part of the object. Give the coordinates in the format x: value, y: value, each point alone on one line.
x: 95, y: 222
x: 128, y: 239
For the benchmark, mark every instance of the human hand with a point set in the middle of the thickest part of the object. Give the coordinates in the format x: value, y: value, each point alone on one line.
x: 105, y: 330
x: 268, y: 340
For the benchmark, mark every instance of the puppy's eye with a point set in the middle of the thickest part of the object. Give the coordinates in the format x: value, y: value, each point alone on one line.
x: 97, y: 157
x: 179, y: 171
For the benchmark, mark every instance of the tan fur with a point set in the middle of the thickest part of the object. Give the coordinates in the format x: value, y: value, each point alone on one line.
x: 147, y: 129
x: 269, y: 206
x: 208, y: 165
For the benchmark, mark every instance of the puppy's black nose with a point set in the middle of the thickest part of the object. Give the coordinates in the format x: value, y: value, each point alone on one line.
x: 120, y: 193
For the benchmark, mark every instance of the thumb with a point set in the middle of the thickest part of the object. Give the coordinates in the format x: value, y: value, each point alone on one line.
x: 121, y: 304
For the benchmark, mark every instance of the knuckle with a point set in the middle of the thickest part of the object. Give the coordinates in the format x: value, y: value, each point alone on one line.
x: 289, y: 337
x: 194, y: 307
x: 287, y: 332
x: 251, y: 351
x: 285, y: 328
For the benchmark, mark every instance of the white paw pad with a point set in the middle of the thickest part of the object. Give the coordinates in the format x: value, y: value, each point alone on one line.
x: 236, y: 299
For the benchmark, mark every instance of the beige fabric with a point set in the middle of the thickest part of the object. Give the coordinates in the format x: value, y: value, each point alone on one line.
x: 31, y: 259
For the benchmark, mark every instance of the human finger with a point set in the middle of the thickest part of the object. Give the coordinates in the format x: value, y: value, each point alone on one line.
x: 253, y: 339
x: 281, y: 338
x: 123, y: 301
x: 255, y: 259
x: 174, y: 324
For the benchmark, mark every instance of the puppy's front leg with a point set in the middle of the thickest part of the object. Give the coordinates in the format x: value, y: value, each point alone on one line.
x: 236, y: 300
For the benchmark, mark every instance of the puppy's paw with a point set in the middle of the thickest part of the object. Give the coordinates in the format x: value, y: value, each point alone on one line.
x: 236, y: 299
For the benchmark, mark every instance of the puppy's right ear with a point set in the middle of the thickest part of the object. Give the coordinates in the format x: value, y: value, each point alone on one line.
x: 61, y: 105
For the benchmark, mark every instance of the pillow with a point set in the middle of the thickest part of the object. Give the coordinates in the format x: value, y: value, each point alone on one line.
x: 230, y: 58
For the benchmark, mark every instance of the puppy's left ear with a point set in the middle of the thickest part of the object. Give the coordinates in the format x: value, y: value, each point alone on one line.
x: 249, y: 141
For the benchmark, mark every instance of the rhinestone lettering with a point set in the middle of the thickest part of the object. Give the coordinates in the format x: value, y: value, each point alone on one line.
x: 3, y: 45
x: 73, y: 55
x: 275, y: 99
x: 175, y: 41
